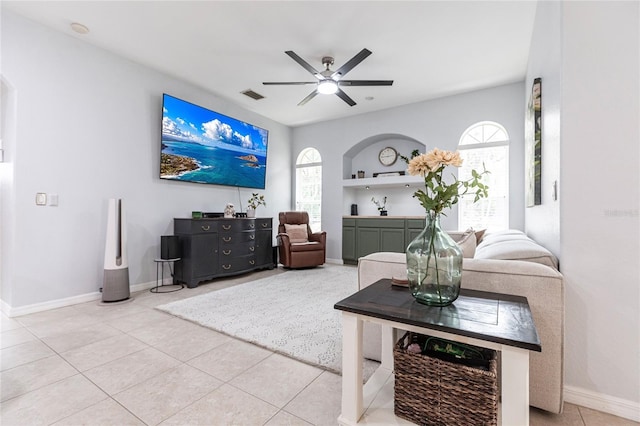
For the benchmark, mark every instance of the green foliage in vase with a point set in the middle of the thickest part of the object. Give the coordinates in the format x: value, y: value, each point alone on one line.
x: 256, y: 200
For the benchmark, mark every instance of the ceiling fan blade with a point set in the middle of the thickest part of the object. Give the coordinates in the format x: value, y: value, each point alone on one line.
x: 304, y: 64
x: 340, y: 72
x: 345, y: 97
x: 308, y: 98
x: 365, y: 82
x: 288, y: 83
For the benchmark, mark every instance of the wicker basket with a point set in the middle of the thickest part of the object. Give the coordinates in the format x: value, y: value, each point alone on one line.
x: 431, y: 391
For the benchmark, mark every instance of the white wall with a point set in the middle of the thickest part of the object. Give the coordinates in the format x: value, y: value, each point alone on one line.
x: 88, y: 129
x: 542, y: 222
x: 601, y: 195
x: 594, y: 83
x: 437, y: 123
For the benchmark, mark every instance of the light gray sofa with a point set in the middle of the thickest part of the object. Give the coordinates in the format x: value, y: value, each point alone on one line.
x: 503, y: 262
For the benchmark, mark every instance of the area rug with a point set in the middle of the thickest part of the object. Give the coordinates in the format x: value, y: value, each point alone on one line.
x: 290, y: 313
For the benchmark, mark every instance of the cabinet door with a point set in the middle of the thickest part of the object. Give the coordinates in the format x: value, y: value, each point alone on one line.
x: 392, y: 240
x: 349, y: 243
x: 367, y: 241
x: 414, y: 227
x: 264, y: 252
x: 205, y: 254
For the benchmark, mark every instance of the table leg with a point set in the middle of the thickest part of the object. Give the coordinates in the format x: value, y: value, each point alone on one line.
x: 515, y: 386
x: 352, y: 407
x: 388, y: 341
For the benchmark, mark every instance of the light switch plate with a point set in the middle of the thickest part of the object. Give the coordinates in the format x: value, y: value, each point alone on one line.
x: 41, y: 199
x: 53, y: 199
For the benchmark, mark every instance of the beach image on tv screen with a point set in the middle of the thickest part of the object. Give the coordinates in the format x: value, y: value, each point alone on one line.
x: 200, y: 145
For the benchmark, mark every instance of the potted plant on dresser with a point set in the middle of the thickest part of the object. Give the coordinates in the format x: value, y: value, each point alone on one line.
x: 255, y: 201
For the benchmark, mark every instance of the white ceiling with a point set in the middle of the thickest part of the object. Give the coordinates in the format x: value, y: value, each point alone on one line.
x: 429, y: 48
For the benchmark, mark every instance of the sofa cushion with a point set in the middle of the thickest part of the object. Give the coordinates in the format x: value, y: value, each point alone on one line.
x: 515, y: 249
x: 297, y: 233
x: 306, y: 246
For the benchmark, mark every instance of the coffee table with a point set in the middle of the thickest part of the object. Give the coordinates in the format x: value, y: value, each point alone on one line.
x: 492, y: 320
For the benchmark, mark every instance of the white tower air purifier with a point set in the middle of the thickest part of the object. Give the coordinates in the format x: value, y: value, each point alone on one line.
x: 115, y: 287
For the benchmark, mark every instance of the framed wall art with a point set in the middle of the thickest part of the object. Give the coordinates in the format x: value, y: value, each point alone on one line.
x: 533, y: 149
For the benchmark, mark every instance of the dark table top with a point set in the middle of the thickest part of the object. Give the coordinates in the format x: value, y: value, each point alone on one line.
x: 493, y: 317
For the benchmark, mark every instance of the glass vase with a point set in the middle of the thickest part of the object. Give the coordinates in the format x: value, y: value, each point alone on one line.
x: 434, y: 265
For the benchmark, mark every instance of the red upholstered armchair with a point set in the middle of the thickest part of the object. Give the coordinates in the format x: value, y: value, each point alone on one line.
x: 298, y: 246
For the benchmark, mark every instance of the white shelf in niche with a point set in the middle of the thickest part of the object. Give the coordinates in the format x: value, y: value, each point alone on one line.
x: 383, y: 182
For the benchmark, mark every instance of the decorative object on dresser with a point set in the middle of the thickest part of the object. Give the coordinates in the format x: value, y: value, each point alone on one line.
x: 255, y: 201
x: 434, y: 260
x: 300, y: 247
x: 217, y: 247
x: 229, y: 211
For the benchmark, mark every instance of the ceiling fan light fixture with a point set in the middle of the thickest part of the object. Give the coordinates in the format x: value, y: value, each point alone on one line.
x: 327, y: 87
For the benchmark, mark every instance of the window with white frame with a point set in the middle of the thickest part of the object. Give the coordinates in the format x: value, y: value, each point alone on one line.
x: 485, y: 143
x: 309, y: 186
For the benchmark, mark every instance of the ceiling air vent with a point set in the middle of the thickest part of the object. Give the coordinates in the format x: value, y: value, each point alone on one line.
x: 253, y: 95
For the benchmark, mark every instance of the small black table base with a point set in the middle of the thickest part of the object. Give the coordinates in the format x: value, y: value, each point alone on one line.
x: 160, y: 276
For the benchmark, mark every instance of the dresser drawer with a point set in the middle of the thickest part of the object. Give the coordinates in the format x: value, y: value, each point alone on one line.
x: 194, y: 226
x: 263, y: 223
x: 241, y: 263
x: 234, y: 250
x: 237, y: 225
x: 232, y: 238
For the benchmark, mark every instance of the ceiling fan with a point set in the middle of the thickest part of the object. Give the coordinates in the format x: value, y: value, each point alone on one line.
x: 328, y: 81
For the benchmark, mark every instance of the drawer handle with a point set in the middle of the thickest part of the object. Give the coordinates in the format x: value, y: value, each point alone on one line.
x: 226, y: 252
x: 252, y: 237
x: 226, y: 239
x: 226, y: 267
x: 264, y: 225
x: 205, y: 228
x: 252, y: 226
x: 252, y: 262
x: 252, y: 248
x: 226, y: 227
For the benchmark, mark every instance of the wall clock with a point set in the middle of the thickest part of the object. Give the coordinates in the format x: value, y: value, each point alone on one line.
x: 387, y: 156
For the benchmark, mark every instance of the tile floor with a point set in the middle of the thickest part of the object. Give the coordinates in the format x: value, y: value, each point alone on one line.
x: 129, y: 364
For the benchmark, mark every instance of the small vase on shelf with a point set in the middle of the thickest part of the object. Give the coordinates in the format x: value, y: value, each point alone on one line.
x: 434, y: 265
x: 251, y: 212
x: 383, y: 212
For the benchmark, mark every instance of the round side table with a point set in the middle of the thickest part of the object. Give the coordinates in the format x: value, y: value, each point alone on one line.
x: 160, y: 276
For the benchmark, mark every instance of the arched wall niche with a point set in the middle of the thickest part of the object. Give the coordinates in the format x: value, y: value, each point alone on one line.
x: 363, y: 156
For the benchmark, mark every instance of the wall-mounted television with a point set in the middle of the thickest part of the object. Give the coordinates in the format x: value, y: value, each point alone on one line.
x: 203, y: 146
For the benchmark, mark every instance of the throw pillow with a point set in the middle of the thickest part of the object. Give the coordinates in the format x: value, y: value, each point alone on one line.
x: 479, y: 235
x: 468, y: 243
x: 297, y: 233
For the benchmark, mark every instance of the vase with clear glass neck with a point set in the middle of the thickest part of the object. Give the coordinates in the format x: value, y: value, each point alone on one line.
x: 434, y: 265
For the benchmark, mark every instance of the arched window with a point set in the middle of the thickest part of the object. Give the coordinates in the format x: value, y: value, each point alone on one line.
x: 309, y: 186
x: 485, y: 143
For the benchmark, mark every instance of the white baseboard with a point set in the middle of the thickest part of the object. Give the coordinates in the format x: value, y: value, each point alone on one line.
x: 601, y: 402
x: 335, y: 261
x: 61, y: 303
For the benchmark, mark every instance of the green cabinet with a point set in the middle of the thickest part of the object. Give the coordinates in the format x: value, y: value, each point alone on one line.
x: 365, y: 235
x: 349, y: 238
